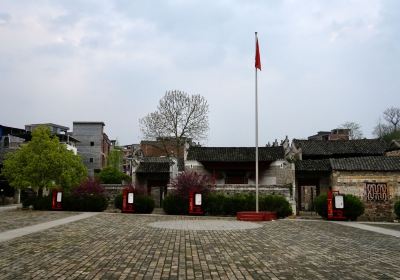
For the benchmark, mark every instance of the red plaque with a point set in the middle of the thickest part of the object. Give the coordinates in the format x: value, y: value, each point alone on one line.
x: 56, y: 201
x: 128, y: 199
x: 196, y: 203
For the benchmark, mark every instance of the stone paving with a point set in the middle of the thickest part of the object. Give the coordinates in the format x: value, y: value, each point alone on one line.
x: 22, y: 218
x: 392, y: 226
x: 124, y: 246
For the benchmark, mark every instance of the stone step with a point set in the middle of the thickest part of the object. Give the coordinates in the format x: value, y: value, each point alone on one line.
x: 158, y: 211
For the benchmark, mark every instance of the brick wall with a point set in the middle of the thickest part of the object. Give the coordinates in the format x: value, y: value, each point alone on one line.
x: 393, y: 153
x: 356, y: 183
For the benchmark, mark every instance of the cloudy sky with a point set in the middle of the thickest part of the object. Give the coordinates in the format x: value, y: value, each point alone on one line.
x: 324, y: 63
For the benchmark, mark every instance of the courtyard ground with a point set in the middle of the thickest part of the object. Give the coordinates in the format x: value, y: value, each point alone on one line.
x: 126, y: 246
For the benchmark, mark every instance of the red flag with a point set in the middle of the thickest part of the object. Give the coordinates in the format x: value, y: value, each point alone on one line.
x: 258, y: 60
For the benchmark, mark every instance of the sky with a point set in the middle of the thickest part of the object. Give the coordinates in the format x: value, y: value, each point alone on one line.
x: 323, y: 63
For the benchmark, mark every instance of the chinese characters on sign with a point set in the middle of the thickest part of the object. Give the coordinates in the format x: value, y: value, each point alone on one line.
x: 376, y: 192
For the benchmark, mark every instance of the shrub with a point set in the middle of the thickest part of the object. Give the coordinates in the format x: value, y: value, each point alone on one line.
x: 89, y: 203
x: 28, y: 196
x: 239, y: 202
x: 353, y: 206
x: 275, y: 203
x: 89, y: 196
x: 188, y: 182
x: 42, y: 203
x: 321, y: 206
x: 214, y: 203
x: 143, y: 204
x: 175, y: 205
x: 118, y: 201
x: 397, y: 209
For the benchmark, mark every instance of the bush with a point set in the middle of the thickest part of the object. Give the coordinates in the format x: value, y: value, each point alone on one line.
x: 214, y: 204
x: 42, y: 203
x: 188, y: 182
x: 222, y: 204
x: 118, y: 201
x: 321, y: 205
x: 175, y: 205
x: 275, y: 203
x: 28, y: 196
x: 353, y: 206
x: 143, y: 204
x: 397, y: 209
x: 239, y: 202
x: 89, y: 203
x: 89, y: 196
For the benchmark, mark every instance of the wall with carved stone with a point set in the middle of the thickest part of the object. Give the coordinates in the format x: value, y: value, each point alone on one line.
x: 377, y: 190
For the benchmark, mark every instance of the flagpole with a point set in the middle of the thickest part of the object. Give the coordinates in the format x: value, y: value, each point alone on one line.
x: 256, y: 89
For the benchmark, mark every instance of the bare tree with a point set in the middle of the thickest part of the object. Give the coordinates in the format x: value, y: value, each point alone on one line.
x: 392, y: 116
x: 355, y: 130
x: 179, y: 116
x: 381, y: 129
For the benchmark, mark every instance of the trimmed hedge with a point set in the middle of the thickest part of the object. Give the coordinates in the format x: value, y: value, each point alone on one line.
x: 175, y: 205
x: 276, y: 203
x: 221, y: 204
x: 397, y: 209
x: 353, y: 206
x: 89, y: 203
x: 143, y: 204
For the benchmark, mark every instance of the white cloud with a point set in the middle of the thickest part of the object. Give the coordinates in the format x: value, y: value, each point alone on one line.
x: 323, y: 63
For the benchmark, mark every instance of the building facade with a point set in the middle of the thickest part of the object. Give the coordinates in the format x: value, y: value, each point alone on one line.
x: 93, y: 146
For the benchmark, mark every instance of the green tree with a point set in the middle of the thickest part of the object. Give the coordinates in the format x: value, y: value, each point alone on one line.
x: 115, y: 158
x: 43, y: 163
x: 111, y: 175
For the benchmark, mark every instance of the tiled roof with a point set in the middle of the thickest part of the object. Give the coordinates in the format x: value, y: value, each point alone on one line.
x: 313, y: 165
x: 375, y: 163
x: 330, y: 148
x: 394, y: 145
x: 154, y: 165
x: 234, y: 154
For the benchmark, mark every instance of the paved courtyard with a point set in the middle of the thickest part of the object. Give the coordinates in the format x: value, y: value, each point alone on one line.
x: 124, y: 246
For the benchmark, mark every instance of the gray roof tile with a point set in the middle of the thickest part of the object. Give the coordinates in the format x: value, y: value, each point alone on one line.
x: 234, y: 154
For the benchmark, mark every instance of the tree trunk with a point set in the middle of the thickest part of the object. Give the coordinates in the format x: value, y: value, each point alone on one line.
x: 40, y: 192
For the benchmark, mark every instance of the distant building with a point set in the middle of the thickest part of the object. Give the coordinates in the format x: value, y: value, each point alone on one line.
x: 10, y: 139
x: 93, y: 146
x: 334, y: 134
x: 60, y: 131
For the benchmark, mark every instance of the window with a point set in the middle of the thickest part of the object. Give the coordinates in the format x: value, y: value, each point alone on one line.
x: 237, y: 177
x: 92, y: 143
x: 91, y: 159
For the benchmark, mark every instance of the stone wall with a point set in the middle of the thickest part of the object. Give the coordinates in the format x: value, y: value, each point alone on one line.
x: 262, y: 190
x: 395, y: 153
x: 112, y: 191
x: 378, y: 201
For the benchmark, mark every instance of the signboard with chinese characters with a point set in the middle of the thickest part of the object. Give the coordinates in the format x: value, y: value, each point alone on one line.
x: 376, y: 192
x: 197, y: 199
x: 339, y: 202
x: 130, y: 198
x: 59, y: 196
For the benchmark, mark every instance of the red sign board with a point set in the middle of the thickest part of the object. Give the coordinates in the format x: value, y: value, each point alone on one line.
x: 335, y: 205
x: 128, y: 198
x: 56, y: 200
x: 196, y: 203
